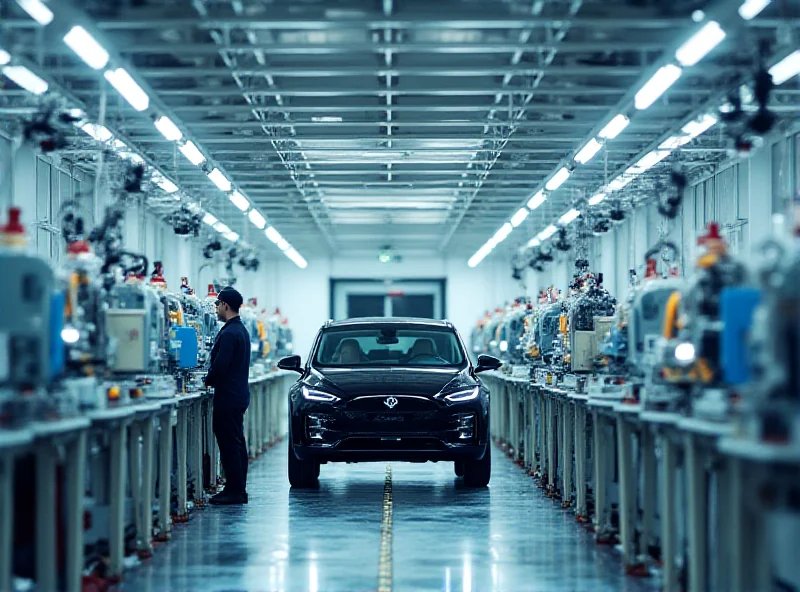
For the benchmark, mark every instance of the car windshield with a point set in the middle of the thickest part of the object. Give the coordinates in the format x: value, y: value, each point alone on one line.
x: 389, y: 346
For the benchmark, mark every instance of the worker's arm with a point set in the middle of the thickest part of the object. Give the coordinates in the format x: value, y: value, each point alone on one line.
x: 222, y: 361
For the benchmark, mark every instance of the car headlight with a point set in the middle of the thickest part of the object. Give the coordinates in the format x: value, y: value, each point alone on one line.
x: 466, y: 395
x: 313, y: 395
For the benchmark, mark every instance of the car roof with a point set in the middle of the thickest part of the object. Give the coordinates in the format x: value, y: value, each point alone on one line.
x: 387, y: 321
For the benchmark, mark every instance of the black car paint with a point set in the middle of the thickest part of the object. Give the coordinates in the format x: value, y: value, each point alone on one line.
x: 421, y: 432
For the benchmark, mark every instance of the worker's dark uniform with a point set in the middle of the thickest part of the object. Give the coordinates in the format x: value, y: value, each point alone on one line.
x: 228, y: 373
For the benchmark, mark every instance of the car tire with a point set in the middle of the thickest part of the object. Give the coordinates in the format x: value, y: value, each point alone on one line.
x: 303, y: 474
x: 459, y: 468
x: 477, y: 473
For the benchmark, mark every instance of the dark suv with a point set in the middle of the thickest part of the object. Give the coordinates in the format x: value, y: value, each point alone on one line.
x: 389, y: 389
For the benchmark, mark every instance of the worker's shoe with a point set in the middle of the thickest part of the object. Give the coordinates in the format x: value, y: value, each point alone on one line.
x: 228, y: 499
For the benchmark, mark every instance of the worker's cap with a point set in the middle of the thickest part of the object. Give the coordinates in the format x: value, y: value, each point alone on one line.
x: 231, y: 297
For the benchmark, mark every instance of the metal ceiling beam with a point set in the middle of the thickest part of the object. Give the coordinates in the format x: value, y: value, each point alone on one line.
x: 300, y: 71
x: 478, y: 143
x: 304, y: 49
x: 423, y: 20
x: 398, y: 123
x: 373, y: 108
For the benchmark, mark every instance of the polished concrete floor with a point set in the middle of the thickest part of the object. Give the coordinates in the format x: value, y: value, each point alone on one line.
x: 508, y: 537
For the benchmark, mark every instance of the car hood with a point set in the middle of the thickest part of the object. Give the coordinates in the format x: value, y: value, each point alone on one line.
x: 347, y: 383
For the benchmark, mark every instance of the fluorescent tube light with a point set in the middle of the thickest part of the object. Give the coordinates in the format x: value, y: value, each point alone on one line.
x: 327, y: 119
x: 752, y: 8
x: 656, y: 86
x: 596, y: 199
x: 588, y: 152
x: 127, y: 87
x: 387, y: 205
x: 547, y: 233
x: 99, y: 132
x: 558, y: 179
x: 84, y: 45
x: 699, y: 126
x: 232, y: 236
x: 192, y: 153
x: 5, y: 57
x: 273, y: 235
x: 239, y: 200
x: 37, y: 10
x: 569, y: 217
x: 26, y: 79
x: 166, y: 184
x: 674, y: 142
x: 221, y: 228
x: 537, y: 200
x: 620, y: 182
x: 787, y: 68
x: 168, y: 129
x: 648, y: 161
x: 257, y: 219
x: 283, y: 244
x: 220, y: 180
x: 210, y: 219
x: 519, y: 217
x: 296, y: 258
x: 479, y: 255
x: 534, y: 242
x: 614, y: 127
x: 699, y: 44
x: 501, y: 234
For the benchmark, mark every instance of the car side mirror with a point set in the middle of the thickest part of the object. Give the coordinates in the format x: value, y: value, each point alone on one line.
x: 486, y: 363
x: 292, y: 363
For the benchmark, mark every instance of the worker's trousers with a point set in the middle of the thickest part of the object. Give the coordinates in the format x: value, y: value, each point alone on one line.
x: 228, y: 427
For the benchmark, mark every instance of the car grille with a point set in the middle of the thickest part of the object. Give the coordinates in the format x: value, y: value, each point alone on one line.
x: 357, y: 443
x: 405, y: 404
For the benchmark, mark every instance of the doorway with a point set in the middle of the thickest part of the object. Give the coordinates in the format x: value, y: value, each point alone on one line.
x: 397, y: 298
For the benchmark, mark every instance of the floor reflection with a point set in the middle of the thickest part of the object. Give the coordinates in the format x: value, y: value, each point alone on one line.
x: 445, y: 537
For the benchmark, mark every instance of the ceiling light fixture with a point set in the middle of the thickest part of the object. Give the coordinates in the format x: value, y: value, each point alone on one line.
x: 26, y: 79
x: 231, y: 236
x: 239, y: 200
x: 699, y: 126
x: 620, y: 182
x: 296, y: 258
x: 210, y: 219
x: 283, y: 244
x: 220, y: 180
x: 99, y: 132
x: 221, y: 228
x: 656, y: 86
x: 501, y: 234
x: 257, y: 219
x: 86, y: 47
x: 596, y: 199
x: 547, y: 233
x: 537, y: 200
x: 5, y: 57
x: 588, y: 152
x: 558, y: 179
x: 569, y: 217
x: 647, y: 162
x: 519, y: 217
x: 37, y: 10
x: 192, y: 153
x: 168, y: 129
x: 273, y: 235
x: 787, y: 68
x: 699, y: 44
x: 752, y: 8
x: 479, y: 255
x: 127, y: 87
x: 165, y: 183
x: 534, y: 242
x: 327, y: 119
x: 614, y: 127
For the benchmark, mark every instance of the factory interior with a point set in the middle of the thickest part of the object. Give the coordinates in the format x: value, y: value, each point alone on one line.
x: 604, y: 195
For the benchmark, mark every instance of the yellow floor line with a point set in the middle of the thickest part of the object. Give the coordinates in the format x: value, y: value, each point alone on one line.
x: 385, y: 565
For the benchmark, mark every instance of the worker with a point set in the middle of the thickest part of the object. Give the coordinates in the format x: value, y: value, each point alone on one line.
x: 228, y: 373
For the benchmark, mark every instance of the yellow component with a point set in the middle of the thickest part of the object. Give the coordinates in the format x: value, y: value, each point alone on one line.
x: 113, y: 393
x: 704, y: 371
x: 562, y: 323
x: 262, y: 334
x: 707, y: 261
x: 671, y: 314
x: 267, y: 348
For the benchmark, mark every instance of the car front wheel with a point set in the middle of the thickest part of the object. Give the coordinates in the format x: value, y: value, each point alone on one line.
x: 303, y: 474
x: 477, y: 473
x: 459, y: 468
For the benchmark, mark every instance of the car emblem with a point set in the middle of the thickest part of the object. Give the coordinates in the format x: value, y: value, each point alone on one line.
x: 390, y: 402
